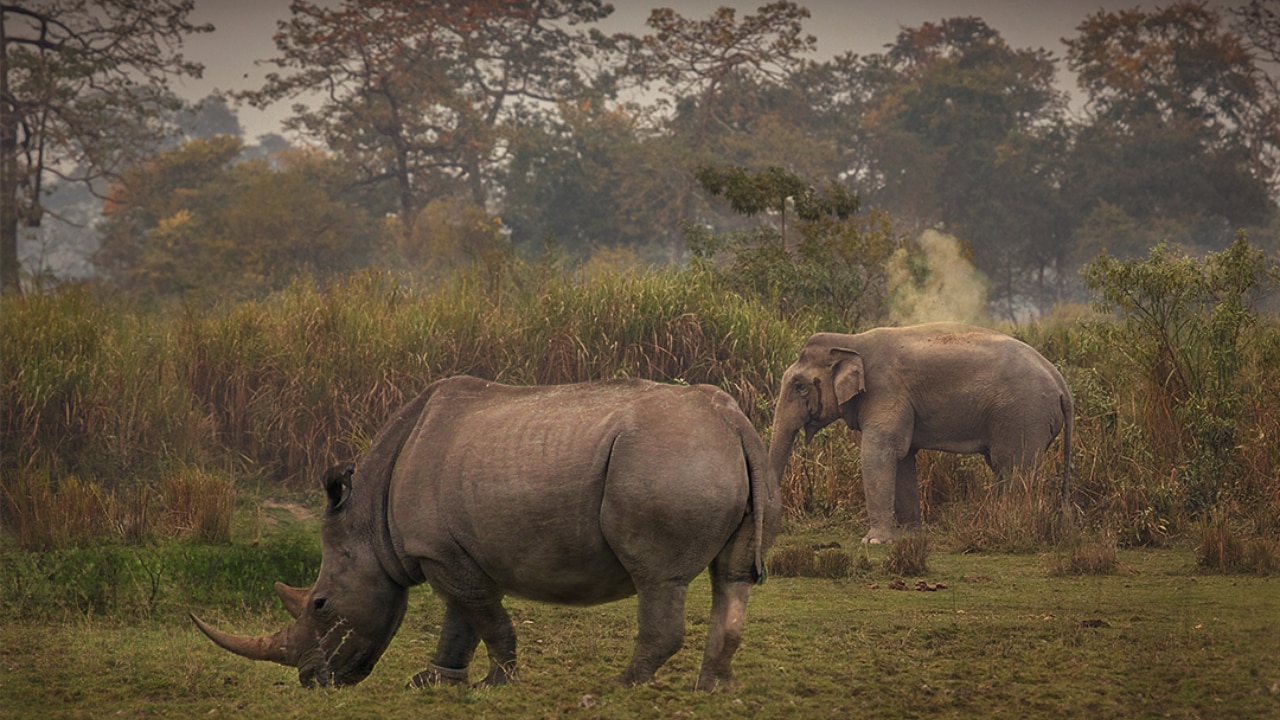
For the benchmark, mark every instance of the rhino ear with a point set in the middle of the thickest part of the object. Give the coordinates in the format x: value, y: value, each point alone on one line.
x: 337, y: 484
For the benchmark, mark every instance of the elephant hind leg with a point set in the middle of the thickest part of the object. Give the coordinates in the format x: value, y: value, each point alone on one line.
x: 1016, y: 455
x: 660, y: 616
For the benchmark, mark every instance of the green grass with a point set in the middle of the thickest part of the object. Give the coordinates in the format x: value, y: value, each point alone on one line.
x: 1008, y: 637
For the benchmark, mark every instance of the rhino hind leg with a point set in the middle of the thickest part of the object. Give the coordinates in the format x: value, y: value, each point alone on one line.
x: 660, y: 614
x: 729, y: 593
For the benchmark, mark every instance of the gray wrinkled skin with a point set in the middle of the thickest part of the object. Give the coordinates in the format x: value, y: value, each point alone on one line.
x: 937, y: 386
x: 574, y: 494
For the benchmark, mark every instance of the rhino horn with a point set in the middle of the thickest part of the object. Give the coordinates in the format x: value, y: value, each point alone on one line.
x: 294, y: 598
x: 274, y: 648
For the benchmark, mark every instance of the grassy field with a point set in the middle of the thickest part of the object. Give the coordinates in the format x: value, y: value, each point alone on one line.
x: 1007, y: 637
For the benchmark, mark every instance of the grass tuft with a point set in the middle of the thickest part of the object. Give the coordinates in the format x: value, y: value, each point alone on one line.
x: 1087, y: 556
x: 908, y: 555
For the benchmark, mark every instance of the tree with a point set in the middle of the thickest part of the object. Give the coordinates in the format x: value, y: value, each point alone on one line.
x: 194, y: 220
x: 565, y: 181
x: 706, y: 67
x: 1180, y: 120
x: 421, y: 95
x: 963, y: 133
x: 774, y: 190
x: 84, y: 88
x: 835, y: 264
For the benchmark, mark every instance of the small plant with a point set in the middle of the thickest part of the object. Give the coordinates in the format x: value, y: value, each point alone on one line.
x: 832, y: 564
x: 1088, y: 556
x: 199, y: 505
x: 909, y: 555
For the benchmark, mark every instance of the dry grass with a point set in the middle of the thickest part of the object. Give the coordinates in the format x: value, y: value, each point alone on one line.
x: 198, y: 505
x: 108, y: 398
x: 1094, y: 555
x: 1228, y: 547
x: 908, y: 556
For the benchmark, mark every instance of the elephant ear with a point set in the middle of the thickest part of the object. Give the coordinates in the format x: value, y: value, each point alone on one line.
x: 847, y: 374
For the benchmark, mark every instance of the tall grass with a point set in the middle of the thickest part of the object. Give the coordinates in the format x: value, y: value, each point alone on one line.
x: 103, y: 396
x: 117, y: 417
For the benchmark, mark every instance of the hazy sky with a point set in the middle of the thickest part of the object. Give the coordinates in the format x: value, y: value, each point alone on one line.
x: 245, y: 27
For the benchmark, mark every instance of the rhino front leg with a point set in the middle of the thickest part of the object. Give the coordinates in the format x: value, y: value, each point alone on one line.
x: 661, y: 630
x: 457, y: 645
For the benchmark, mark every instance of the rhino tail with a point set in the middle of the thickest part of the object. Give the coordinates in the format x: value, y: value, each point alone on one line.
x: 763, y: 493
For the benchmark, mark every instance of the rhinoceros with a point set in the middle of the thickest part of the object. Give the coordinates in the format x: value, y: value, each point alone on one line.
x: 571, y: 494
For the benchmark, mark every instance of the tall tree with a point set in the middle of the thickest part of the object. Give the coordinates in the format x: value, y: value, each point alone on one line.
x: 698, y: 64
x: 195, y: 219
x: 1180, y: 123
x: 84, y: 87
x: 961, y: 131
x: 419, y: 94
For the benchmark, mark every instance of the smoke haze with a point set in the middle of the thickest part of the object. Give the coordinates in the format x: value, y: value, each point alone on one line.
x: 935, y: 282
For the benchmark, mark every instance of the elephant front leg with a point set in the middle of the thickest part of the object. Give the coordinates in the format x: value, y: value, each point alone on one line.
x: 661, y: 630
x: 879, y: 473
x: 907, y: 493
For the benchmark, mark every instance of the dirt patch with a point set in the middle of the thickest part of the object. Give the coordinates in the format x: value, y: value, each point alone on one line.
x: 294, y: 509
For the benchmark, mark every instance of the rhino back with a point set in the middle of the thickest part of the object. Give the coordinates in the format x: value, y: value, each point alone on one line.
x: 557, y: 493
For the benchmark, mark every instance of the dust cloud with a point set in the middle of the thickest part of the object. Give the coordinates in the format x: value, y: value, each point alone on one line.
x: 935, y: 281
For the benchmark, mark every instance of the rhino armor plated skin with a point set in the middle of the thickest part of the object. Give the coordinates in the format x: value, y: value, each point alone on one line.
x: 573, y: 494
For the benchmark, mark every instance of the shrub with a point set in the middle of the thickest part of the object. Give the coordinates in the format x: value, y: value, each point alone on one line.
x: 1226, y: 547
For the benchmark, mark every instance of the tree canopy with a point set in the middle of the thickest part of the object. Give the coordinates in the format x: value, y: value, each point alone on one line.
x: 455, y: 132
x: 84, y: 89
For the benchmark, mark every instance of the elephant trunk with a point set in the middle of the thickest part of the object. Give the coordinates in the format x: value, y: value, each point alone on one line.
x: 782, y: 438
x: 274, y: 648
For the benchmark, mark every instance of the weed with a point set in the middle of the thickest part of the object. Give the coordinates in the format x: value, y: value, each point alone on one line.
x: 1096, y: 555
x: 792, y: 561
x: 908, y: 555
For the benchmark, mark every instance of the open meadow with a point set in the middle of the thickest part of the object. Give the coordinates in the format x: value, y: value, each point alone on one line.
x: 1008, y: 636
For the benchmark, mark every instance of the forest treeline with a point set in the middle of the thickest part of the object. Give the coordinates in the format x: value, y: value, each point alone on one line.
x: 445, y: 134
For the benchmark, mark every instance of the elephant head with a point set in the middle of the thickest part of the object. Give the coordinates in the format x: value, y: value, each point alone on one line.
x: 816, y: 391
x: 345, y: 621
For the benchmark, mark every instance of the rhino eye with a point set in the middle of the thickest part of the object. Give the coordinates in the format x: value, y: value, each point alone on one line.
x: 320, y: 603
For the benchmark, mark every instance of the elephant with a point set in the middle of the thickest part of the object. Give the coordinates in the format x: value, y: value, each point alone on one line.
x: 936, y: 386
x: 572, y: 494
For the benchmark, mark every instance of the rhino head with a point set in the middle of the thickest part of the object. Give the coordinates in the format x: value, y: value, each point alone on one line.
x: 343, y: 623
